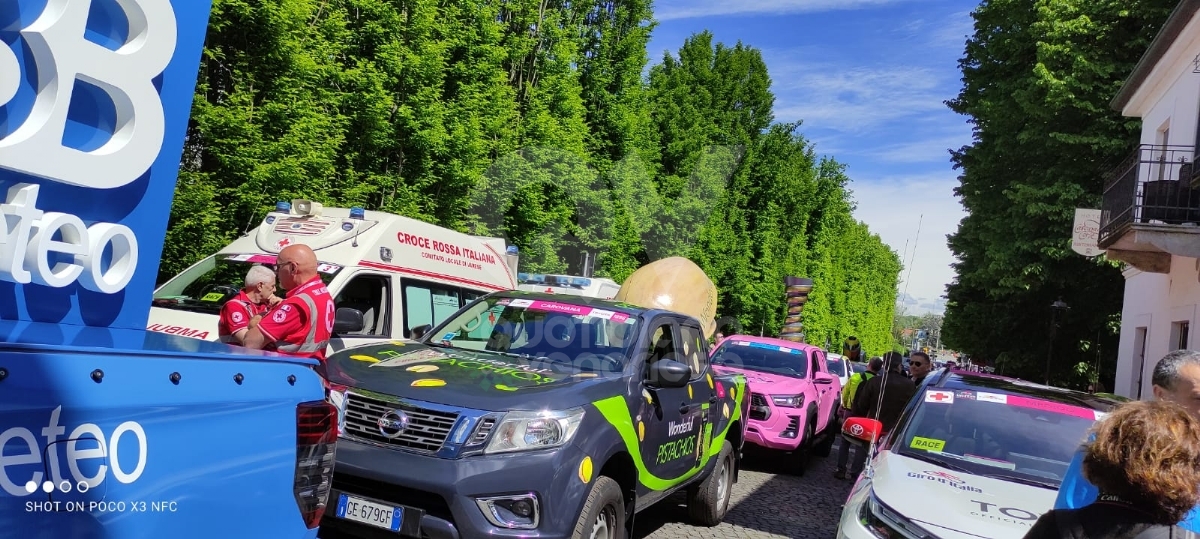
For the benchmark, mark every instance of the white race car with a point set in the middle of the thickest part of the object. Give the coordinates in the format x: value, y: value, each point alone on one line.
x: 972, y: 456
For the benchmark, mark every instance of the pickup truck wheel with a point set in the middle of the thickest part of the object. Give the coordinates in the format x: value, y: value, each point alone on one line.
x: 603, y: 514
x: 804, y: 452
x: 708, y: 503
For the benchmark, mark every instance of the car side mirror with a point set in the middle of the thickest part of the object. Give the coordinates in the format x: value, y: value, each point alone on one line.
x: 347, y: 320
x: 861, y: 430
x: 822, y: 378
x: 420, y: 331
x: 669, y: 373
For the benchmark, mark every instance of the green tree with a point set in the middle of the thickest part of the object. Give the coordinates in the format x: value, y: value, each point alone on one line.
x: 1037, y: 81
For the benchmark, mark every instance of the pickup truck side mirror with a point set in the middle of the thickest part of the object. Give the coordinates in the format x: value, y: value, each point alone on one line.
x: 822, y: 378
x: 669, y: 373
x: 420, y: 331
x: 347, y: 320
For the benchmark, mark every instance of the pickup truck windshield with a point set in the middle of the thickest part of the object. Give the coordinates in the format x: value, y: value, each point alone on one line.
x: 762, y: 357
x: 1008, y: 436
x: 585, y: 338
x: 206, y: 286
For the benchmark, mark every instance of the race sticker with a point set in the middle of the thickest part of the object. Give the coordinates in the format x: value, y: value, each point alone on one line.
x: 1050, y: 406
x: 240, y: 258
x: 212, y: 296
x: 602, y: 314
x: 940, y: 397
x: 448, y: 337
x: 991, y: 397
x: 1100, y: 415
x: 928, y: 444
x: 553, y: 306
x: 520, y: 303
x: 622, y: 318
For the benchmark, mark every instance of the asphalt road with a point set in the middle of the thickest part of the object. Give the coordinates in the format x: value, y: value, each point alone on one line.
x: 767, y: 501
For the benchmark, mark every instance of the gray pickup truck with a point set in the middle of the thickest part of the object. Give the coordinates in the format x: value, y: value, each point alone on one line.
x: 532, y: 415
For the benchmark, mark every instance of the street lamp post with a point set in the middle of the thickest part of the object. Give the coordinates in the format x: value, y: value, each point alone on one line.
x: 1057, y: 307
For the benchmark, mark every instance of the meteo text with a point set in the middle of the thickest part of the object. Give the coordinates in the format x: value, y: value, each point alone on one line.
x: 21, y: 449
x: 28, y: 241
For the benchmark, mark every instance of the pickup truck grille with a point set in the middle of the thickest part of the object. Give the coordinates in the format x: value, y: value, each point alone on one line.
x: 427, y: 429
x: 759, y: 410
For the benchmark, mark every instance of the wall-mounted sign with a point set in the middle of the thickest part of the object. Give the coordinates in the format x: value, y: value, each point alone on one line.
x: 94, y: 104
x: 1086, y: 232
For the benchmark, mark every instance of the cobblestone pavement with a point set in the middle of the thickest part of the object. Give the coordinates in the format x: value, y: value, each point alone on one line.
x: 767, y: 502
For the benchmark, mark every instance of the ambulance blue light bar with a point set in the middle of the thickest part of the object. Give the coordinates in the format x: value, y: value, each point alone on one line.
x: 283, y: 207
x: 535, y: 278
x: 581, y: 282
x: 357, y: 213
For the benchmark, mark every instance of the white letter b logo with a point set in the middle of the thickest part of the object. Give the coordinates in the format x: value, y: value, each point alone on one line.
x: 63, y: 56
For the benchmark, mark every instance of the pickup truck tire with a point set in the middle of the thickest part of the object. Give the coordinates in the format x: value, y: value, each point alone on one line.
x: 603, y: 515
x: 708, y: 502
x: 804, y: 453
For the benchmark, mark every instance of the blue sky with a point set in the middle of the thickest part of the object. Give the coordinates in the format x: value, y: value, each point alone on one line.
x: 869, y: 79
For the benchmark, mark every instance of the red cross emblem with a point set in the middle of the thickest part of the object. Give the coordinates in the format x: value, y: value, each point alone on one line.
x: 939, y: 396
x: 283, y: 243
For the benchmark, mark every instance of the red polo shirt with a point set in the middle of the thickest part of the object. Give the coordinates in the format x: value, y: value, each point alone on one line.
x: 236, y: 315
x: 302, y: 323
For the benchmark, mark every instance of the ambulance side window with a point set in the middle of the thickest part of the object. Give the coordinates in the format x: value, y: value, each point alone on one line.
x: 372, y: 296
x: 431, y: 303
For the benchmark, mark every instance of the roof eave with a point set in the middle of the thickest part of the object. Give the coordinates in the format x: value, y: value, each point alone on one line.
x: 1167, y: 35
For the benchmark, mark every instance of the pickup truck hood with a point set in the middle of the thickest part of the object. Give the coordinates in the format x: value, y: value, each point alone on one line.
x: 958, y: 505
x: 469, y: 378
x: 767, y: 383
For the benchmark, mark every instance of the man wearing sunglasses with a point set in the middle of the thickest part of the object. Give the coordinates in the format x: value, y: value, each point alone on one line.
x: 302, y: 324
x: 919, y: 366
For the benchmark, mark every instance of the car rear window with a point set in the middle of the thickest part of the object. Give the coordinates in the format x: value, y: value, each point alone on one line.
x: 1006, y: 435
x: 837, y: 367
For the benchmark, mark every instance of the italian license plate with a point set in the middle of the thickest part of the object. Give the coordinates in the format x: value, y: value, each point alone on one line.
x: 370, y: 513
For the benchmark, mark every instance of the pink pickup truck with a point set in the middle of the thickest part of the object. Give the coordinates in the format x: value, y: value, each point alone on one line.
x: 793, y: 396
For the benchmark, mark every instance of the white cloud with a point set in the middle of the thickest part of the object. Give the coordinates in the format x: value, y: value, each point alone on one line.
x: 892, y: 207
x: 689, y: 9
x: 852, y: 99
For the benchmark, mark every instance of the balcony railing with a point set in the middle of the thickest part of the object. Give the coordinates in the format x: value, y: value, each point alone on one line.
x: 1151, y: 186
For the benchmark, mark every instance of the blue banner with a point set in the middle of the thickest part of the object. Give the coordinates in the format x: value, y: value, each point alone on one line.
x: 94, y: 103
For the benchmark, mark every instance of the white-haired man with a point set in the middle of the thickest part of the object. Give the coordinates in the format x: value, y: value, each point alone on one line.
x: 244, y: 310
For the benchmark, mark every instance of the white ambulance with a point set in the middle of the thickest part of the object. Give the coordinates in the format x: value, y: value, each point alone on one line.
x: 572, y: 285
x: 400, y: 273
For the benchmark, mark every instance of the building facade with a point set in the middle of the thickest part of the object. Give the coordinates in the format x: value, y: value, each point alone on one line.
x: 1150, y: 216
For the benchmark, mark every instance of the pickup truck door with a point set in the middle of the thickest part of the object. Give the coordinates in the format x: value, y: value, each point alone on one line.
x: 823, y: 383
x: 670, y: 417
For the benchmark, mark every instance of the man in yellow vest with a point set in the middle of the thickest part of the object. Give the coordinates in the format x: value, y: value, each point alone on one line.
x: 848, y: 393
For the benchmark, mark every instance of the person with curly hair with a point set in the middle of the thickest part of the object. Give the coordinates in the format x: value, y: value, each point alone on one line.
x: 1145, y: 461
x: 1176, y: 378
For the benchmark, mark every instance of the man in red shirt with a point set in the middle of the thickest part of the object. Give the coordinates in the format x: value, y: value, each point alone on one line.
x: 302, y: 324
x: 255, y: 298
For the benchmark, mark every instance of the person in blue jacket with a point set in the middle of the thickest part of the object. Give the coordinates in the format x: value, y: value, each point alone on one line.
x: 1176, y: 378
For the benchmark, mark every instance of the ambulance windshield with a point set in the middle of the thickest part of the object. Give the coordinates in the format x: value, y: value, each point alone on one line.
x: 206, y: 286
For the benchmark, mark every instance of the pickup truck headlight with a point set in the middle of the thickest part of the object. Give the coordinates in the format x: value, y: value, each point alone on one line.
x: 788, y: 401
x: 519, y: 431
